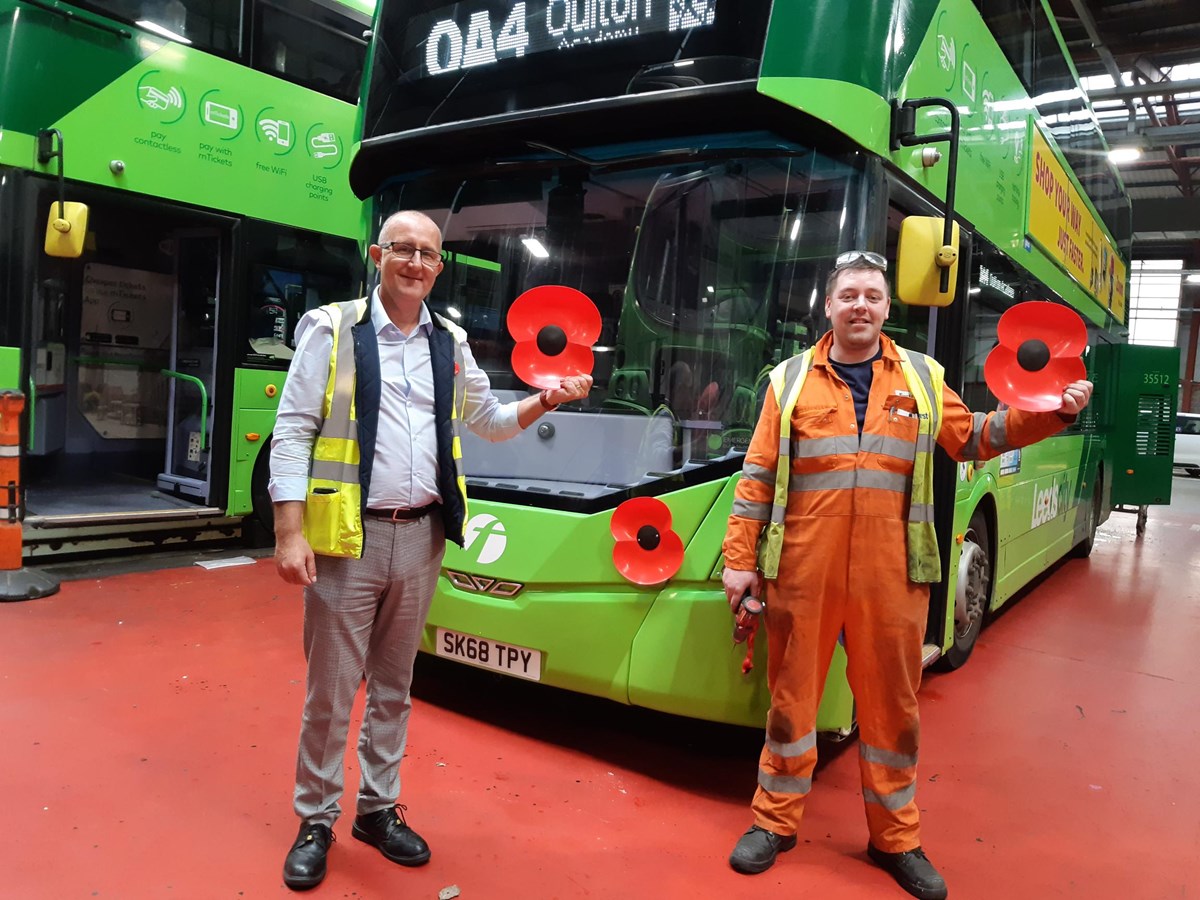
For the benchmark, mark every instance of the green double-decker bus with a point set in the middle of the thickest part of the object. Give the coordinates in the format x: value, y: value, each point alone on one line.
x: 209, y: 143
x: 694, y: 167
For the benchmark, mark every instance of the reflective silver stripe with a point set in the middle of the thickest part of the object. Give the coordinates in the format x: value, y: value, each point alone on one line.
x: 893, y: 801
x: 884, y: 481
x: 327, y: 470
x: 822, y: 481
x: 921, y: 367
x: 886, y: 757
x: 861, y: 478
x: 808, y: 448
x: 9, y: 450
x: 783, y: 784
x: 926, y: 443
x: 889, y: 446
x: 760, y: 474
x: 338, y: 423
x: 784, y: 446
x: 793, y: 748
x: 920, y: 512
x: 748, y: 509
x: 998, y: 433
x: 970, y: 449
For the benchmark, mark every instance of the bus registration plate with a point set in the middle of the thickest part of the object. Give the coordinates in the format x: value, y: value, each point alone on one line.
x: 521, y: 662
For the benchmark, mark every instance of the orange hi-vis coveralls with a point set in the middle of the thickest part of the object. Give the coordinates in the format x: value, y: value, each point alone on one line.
x: 843, y: 567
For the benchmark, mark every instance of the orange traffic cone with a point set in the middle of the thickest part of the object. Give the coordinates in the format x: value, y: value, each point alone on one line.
x: 16, y: 582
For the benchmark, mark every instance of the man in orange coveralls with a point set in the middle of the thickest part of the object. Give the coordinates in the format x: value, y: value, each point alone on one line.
x: 857, y: 557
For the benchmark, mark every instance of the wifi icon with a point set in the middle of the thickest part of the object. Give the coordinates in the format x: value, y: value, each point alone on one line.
x: 279, y: 131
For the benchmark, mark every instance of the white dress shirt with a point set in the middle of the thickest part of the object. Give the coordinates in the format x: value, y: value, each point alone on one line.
x: 404, y: 472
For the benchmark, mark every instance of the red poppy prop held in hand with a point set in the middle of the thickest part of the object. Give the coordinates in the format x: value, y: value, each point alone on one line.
x: 554, y: 327
x: 647, y: 550
x: 1038, y: 355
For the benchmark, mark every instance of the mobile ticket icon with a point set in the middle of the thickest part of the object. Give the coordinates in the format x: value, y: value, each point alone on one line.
x: 220, y: 114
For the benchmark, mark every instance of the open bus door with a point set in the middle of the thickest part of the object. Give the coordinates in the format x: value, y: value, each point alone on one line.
x: 119, y: 349
x: 191, y: 367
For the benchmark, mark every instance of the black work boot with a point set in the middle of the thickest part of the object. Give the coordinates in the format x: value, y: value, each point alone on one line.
x: 304, y: 866
x: 757, y: 848
x: 387, y: 830
x: 913, y: 871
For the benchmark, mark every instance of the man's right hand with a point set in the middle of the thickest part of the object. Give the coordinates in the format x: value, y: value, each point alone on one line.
x: 295, y: 561
x: 738, y: 583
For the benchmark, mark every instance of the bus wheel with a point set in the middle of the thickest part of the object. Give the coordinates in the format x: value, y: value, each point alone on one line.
x: 260, y: 526
x: 971, y: 592
x: 1084, y: 548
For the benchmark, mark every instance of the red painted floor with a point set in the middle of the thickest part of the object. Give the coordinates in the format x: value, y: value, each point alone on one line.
x: 150, y: 723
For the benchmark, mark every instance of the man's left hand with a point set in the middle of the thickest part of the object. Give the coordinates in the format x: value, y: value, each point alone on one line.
x: 1075, y: 397
x: 573, y: 388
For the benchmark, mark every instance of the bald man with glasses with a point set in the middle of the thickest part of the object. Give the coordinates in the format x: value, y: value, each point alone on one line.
x: 368, y: 484
x: 846, y: 434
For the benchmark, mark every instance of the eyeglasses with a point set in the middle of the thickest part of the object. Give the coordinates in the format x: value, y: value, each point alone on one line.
x: 429, y: 258
x: 850, y: 257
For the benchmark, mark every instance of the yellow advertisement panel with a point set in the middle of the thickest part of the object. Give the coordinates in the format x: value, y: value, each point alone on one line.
x: 1065, y: 228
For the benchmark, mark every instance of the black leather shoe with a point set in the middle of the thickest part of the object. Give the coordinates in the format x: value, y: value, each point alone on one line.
x: 388, y: 831
x: 305, y: 864
x: 757, y: 848
x: 913, y: 871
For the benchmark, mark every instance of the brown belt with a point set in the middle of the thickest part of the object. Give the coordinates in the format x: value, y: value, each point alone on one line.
x: 397, y: 514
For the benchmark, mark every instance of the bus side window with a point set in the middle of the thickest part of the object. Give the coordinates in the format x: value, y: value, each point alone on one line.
x: 290, y: 272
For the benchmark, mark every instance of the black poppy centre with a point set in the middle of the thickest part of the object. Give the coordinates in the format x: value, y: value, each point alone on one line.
x: 1033, y: 355
x: 648, y: 537
x: 551, y: 340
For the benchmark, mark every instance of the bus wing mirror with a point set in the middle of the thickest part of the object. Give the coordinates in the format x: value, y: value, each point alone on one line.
x: 920, y: 258
x: 66, y: 229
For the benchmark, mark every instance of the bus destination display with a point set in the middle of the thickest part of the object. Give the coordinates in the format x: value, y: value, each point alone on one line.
x: 471, y: 35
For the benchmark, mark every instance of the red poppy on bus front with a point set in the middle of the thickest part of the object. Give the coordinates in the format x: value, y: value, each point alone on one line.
x: 1038, y: 355
x: 555, y: 327
x: 647, y: 550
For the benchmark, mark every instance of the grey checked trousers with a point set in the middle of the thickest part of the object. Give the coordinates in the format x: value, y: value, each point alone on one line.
x: 363, y: 617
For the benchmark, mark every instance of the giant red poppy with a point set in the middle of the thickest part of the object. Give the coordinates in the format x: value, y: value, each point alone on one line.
x: 1037, y: 357
x: 554, y: 327
x: 647, y: 550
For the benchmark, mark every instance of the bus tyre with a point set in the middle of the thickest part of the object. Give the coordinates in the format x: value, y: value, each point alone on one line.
x: 1083, y: 549
x: 260, y: 525
x: 972, y: 591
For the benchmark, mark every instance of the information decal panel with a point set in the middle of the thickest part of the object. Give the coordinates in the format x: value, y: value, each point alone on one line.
x: 1063, y: 226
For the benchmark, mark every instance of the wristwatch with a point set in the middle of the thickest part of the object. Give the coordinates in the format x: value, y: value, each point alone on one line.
x: 546, y: 404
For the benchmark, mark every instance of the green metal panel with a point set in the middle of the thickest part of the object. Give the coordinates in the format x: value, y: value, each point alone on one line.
x: 685, y: 662
x: 1143, y: 385
x: 868, y: 44
x: 52, y: 66
x: 255, y: 402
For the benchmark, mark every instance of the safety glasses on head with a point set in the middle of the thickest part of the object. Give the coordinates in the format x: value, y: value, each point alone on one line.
x: 850, y: 257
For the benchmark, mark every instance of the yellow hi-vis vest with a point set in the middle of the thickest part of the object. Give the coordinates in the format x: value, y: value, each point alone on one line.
x: 925, y: 377
x: 333, y: 507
